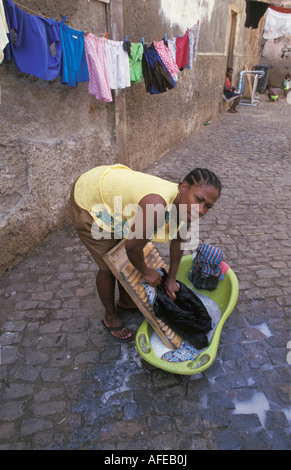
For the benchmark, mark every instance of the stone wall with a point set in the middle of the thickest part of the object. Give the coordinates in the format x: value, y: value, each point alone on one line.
x: 51, y: 133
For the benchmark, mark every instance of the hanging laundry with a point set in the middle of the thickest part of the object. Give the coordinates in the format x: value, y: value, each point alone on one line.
x: 172, y: 47
x: 193, y: 35
x: 118, y: 64
x: 98, y: 68
x: 182, y: 48
x: 74, y: 66
x: 167, y: 57
x: 156, y: 76
x: 3, y: 32
x: 187, y: 315
x: 35, y: 35
x: 206, y: 268
x: 277, y: 24
x: 135, y: 62
x: 254, y: 12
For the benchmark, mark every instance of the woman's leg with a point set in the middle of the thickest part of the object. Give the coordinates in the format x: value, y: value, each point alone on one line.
x: 125, y: 301
x: 105, y: 283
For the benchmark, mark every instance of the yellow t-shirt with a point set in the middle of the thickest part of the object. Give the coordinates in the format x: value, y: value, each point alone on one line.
x: 111, y: 195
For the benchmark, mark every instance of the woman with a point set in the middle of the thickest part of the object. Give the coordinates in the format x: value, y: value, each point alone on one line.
x: 230, y: 92
x: 113, y: 202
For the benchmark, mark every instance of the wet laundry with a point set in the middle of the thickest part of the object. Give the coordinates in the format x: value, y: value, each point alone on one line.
x: 156, y: 76
x: 98, y: 68
x: 182, y: 49
x: 74, y: 65
x: 135, y: 62
x: 187, y: 352
x: 193, y: 35
x: 31, y: 51
x: 167, y: 57
x: 277, y: 23
x: 187, y: 315
x: 118, y: 64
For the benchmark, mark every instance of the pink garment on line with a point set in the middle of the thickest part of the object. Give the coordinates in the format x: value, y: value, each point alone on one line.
x: 98, y: 68
x: 167, y: 57
x: 182, y: 47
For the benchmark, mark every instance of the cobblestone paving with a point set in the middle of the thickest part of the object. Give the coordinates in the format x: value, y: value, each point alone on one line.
x: 65, y: 385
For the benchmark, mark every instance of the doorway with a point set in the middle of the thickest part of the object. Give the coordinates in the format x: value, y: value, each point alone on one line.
x: 231, y: 42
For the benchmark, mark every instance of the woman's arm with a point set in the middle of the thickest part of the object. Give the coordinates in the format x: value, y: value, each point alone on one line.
x: 176, y: 253
x: 150, y: 217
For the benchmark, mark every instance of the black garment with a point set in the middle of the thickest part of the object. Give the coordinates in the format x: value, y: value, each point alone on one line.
x: 230, y: 94
x: 254, y: 11
x: 156, y: 76
x: 187, y: 315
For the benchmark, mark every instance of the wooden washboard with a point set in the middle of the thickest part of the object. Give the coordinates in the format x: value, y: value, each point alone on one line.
x: 131, y: 279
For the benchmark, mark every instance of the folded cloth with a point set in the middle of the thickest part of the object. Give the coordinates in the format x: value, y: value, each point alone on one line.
x: 209, y: 258
x: 184, y: 353
x: 224, y: 267
x: 206, y: 270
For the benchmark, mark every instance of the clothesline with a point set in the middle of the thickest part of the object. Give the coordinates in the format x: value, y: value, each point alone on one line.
x: 32, y: 11
x: 84, y: 57
x: 105, y: 34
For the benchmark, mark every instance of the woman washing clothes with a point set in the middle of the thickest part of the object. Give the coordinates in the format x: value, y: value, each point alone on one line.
x: 230, y: 91
x: 103, y: 201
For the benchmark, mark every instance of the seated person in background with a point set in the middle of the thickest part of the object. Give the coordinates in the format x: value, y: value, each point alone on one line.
x: 230, y: 92
x: 272, y: 93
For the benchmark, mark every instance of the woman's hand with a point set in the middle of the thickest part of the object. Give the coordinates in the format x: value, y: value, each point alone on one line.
x: 171, y: 287
x: 152, y: 277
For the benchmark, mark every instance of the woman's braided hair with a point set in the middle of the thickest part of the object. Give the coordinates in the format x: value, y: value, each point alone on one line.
x: 202, y: 176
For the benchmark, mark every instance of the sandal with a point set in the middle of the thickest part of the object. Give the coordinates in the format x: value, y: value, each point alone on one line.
x: 116, y: 328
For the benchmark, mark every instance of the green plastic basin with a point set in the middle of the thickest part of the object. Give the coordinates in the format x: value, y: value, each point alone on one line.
x: 225, y: 296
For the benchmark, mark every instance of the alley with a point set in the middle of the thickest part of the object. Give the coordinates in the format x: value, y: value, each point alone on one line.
x: 66, y: 385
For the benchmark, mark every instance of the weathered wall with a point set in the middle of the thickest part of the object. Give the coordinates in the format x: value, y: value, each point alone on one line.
x: 277, y: 53
x: 158, y: 122
x: 50, y: 133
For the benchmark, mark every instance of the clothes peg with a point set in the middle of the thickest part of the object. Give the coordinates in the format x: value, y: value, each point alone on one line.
x: 142, y: 40
x: 106, y: 36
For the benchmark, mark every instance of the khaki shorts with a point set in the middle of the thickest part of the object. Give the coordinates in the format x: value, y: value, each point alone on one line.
x: 83, y: 222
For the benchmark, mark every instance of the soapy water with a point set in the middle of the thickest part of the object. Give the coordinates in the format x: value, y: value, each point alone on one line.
x: 258, y: 404
x: 214, y: 312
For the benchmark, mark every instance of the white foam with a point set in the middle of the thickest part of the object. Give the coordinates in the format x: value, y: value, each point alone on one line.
x: 258, y: 404
x: 287, y: 412
x: 263, y: 327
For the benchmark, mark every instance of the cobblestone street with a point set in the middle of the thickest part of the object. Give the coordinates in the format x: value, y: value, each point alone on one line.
x: 65, y: 385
